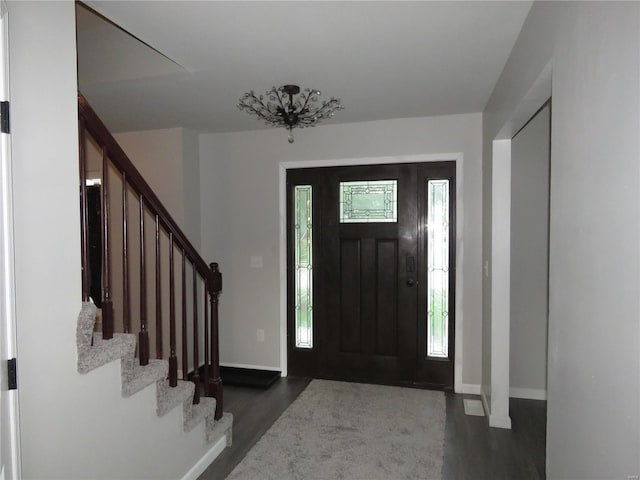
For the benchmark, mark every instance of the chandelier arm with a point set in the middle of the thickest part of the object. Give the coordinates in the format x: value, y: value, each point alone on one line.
x: 306, y: 100
x: 325, y: 110
x: 250, y: 100
x: 321, y: 114
x: 280, y: 101
x: 257, y: 112
x: 251, y: 106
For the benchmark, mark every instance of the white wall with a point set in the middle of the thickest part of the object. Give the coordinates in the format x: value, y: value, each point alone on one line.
x: 157, y: 154
x: 169, y: 161
x: 529, y: 258
x: 191, y: 178
x: 240, y: 217
x: 72, y: 425
x: 593, y: 428
x: 47, y: 237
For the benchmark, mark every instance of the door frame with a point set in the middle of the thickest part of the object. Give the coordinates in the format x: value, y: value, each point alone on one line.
x: 10, y: 468
x: 495, y: 393
x: 421, y: 158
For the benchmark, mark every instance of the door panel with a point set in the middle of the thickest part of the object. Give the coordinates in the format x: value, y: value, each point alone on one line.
x: 350, y: 295
x: 386, y: 288
x: 369, y: 275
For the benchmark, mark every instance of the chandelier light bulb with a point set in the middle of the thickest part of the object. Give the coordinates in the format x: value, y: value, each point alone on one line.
x: 288, y: 107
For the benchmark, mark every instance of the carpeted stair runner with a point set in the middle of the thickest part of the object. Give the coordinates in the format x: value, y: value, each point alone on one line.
x: 93, y: 352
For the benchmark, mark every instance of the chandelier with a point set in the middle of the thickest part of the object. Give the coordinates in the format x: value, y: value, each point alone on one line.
x: 287, y: 107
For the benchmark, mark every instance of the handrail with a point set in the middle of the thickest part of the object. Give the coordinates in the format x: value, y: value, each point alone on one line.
x: 120, y: 159
x: 112, y: 154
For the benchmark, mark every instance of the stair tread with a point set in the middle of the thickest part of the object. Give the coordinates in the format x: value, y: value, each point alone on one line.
x: 204, y: 410
x: 218, y: 428
x: 143, y: 376
x: 84, y: 328
x: 105, y: 351
x: 170, y: 397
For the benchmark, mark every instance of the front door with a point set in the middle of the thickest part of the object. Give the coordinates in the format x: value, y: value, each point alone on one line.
x: 370, y: 270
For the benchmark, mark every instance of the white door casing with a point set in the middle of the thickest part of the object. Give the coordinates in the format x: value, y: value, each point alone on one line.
x: 10, y: 467
x: 496, y: 399
x: 457, y: 157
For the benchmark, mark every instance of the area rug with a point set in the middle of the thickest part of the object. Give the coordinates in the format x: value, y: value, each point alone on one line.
x: 352, y: 431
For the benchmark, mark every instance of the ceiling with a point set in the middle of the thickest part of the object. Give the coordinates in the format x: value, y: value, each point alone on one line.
x: 185, y: 64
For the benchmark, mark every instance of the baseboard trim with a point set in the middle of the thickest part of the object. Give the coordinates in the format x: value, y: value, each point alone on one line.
x: 500, y: 422
x: 249, y: 367
x: 470, y: 389
x: 206, y: 460
x: 495, y: 421
x: 485, y: 403
x: 528, y: 393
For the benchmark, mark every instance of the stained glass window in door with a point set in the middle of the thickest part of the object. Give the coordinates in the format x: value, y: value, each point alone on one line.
x: 369, y: 201
x: 303, y: 252
x: 438, y: 268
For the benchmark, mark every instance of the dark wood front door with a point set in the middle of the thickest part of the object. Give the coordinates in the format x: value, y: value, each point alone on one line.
x: 361, y: 273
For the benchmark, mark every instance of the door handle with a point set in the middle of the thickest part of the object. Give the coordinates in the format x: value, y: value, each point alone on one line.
x: 411, y: 282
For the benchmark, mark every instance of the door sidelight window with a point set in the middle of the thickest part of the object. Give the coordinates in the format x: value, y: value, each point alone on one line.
x: 303, y: 268
x: 438, y: 268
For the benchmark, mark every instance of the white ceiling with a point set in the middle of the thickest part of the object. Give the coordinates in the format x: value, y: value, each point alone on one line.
x: 383, y: 59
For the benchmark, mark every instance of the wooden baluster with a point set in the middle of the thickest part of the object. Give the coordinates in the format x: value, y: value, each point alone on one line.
x: 84, y: 223
x: 126, y: 307
x: 205, y: 320
x: 143, y: 336
x: 173, y: 360
x: 185, y: 362
x: 158, y: 293
x: 107, y: 306
x: 214, y: 387
x: 196, y: 363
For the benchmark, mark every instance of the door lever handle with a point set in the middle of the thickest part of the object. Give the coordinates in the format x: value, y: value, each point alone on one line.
x: 411, y: 282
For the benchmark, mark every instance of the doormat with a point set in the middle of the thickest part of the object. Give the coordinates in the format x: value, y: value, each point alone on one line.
x: 341, y: 430
x: 246, y: 377
x: 473, y: 407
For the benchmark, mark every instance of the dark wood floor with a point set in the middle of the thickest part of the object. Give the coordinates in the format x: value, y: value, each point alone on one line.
x: 472, y: 449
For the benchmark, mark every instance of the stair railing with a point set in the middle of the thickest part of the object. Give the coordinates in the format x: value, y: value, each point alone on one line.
x: 134, y: 188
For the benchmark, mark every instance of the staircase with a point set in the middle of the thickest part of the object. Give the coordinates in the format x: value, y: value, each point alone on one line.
x: 94, y: 352
x: 175, y: 293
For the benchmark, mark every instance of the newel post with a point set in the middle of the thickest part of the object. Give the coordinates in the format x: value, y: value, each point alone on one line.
x: 214, y: 384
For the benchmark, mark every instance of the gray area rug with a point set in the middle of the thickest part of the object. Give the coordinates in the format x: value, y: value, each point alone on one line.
x: 340, y: 430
